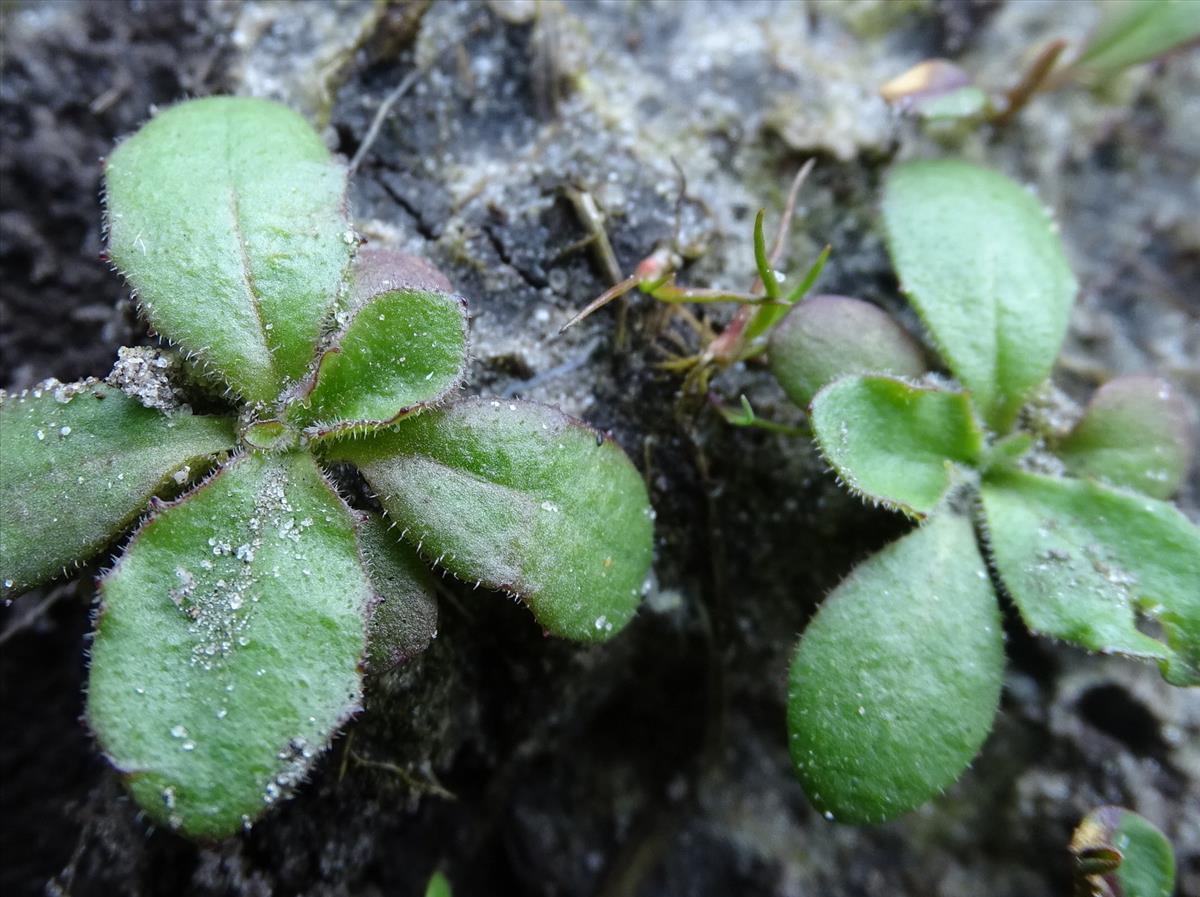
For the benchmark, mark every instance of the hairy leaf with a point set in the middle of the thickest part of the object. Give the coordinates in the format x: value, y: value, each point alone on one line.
x: 1137, y: 32
x: 979, y: 258
x: 1082, y: 561
x: 377, y: 270
x: 521, y: 498
x: 895, y: 443
x: 228, y: 644
x: 1135, y: 433
x: 405, y: 616
x: 1119, y: 853
x: 895, y: 682
x: 1008, y: 450
x: 827, y: 337
x: 403, y: 350
x: 227, y: 215
x: 80, y: 461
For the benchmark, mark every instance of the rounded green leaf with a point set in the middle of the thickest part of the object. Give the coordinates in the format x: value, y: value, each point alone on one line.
x: 521, y: 498
x: 1119, y: 853
x: 80, y: 461
x: 979, y: 258
x: 404, y: 616
x: 403, y: 350
x: 228, y: 217
x: 827, y: 337
x: 1135, y: 433
x: 894, y: 443
x: 228, y: 644
x: 1083, y: 561
x: 895, y: 682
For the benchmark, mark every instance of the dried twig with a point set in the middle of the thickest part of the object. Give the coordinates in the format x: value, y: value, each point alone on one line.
x: 380, y: 114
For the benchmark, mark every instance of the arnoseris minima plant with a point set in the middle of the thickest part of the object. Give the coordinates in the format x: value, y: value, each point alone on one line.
x: 233, y: 627
x: 895, y: 683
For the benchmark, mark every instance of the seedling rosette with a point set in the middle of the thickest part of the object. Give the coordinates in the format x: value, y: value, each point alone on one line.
x: 895, y: 683
x: 233, y: 628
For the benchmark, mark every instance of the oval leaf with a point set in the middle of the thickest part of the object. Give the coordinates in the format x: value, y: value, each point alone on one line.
x: 521, y: 498
x: 1082, y: 560
x: 402, y: 351
x: 1135, y: 433
x: 1119, y: 853
x: 228, y: 644
x: 894, y: 443
x: 896, y: 680
x: 80, y: 462
x: 827, y: 337
x: 227, y: 215
x: 405, y: 613
x: 979, y: 258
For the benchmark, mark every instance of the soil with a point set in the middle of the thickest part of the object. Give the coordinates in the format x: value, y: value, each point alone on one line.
x: 655, y: 764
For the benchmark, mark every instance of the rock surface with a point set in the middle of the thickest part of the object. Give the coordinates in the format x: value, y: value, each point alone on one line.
x: 655, y: 765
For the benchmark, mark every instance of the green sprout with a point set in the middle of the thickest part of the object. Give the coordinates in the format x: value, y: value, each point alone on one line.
x: 232, y: 630
x: 1129, y: 33
x: 760, y: 309
x: 1121, y: 854
x: 895, y: 683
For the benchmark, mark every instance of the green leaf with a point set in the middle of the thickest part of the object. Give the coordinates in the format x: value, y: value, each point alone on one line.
x: 767, y: 316
x: 745, y: 417
x: 405, y: 616
x: 896, y: 680
x: 227, y: 215
x: 228, y: 644
x: 979, y: 258
x: 1134, y: 32
x: 830, y: 336
x: 1008, y: 450
x: 1135, y: 433
x: 901, y: 445
x: 1119, y: 853
x: 964, y: 103
x: 80, y: 461
x: 1082, y: 560
x: 521, y: 498
x: 765, y: 273
x: 439, y: 886
x: 402, y: 351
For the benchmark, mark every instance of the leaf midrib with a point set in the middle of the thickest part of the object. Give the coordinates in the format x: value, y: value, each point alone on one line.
x: 252, y: 294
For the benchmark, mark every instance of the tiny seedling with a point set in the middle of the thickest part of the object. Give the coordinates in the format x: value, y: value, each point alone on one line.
x: 895, y: 683
x: 1129, y: 32
x: 760, y: 309
x: 1121, y: 854
x: 232, y: 631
